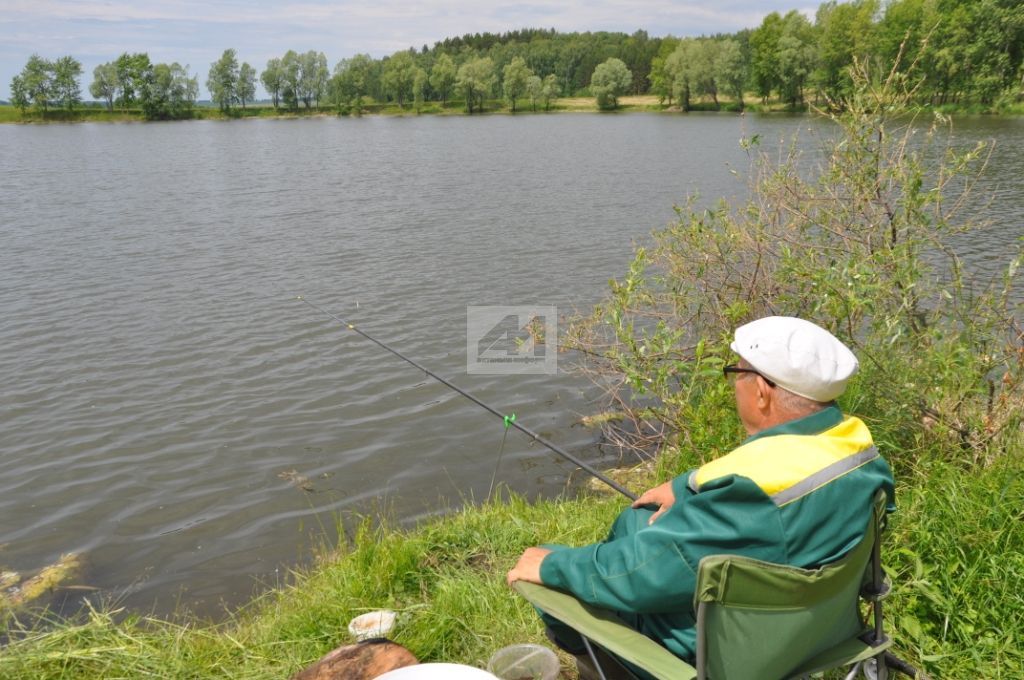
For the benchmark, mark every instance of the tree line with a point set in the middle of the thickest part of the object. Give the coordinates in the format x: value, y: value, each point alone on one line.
x: 162, y: 91
x: 954, y: 51
x: 48, y: 83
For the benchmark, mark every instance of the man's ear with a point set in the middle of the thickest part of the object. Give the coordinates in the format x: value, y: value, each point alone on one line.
x: 764, y: 393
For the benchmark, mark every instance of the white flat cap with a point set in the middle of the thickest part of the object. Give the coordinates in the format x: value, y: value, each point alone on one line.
x: 796, y: 355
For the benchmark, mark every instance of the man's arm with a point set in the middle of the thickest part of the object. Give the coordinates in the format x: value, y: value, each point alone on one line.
x: 652, y: 567
x: 528, y: 566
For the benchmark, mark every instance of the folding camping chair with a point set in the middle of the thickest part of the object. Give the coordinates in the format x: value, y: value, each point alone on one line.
x: 757, y: 620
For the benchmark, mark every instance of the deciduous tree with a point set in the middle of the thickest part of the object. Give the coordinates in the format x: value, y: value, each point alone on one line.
x: 351, y: 81
x: 37, y: 80
x: 19, y: 94
x: 397, y: 78
x: 131, y: 73
x: 610, y: 80
x: 476, y: 80
x: 731, y: 70
x: 291, y: 69
x: 169, y: 93
x: 795, y: 57
x: 534, y: 90
x: 517, y: 74
x: 420, y: 81
x: 272, y: 80
x: 246, y: 83
x: 442, y: 77
x: 660, y: 78
x: 223, y: 80
x: 701, y: 68
x: 677, y: 73
x: 66, y: 89
x: 104, y: 83
x: 550, y: 91
x: 844, y: 32
x: 312, y: 78
x: 764, y: 59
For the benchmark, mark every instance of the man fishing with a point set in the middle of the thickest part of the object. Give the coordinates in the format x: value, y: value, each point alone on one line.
x: 797, y: 491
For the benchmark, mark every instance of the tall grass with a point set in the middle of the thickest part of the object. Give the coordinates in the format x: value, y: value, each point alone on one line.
x: 957, y: 558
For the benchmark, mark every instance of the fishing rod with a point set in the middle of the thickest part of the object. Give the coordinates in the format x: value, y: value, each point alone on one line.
x: 509, y: 420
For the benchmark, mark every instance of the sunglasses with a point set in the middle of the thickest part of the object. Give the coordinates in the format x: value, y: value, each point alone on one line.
x: 733, y: 372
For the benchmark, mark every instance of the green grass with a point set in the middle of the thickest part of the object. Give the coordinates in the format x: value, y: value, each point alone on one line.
x: 956, y: 550
x: 957, y: 557
x: 9, y: 114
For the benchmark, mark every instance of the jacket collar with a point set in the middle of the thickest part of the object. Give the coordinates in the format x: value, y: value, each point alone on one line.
x: 815, y: 423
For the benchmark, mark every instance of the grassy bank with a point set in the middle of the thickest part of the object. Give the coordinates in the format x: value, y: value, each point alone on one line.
x: 9, y: 114
x: 445, y: 578
x: 956, y: 550
x: 627, y: 104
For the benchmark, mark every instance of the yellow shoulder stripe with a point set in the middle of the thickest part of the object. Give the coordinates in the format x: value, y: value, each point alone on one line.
x: 778, y: 462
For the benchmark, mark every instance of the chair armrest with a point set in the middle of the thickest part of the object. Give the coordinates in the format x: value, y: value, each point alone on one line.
x: 604, y: 628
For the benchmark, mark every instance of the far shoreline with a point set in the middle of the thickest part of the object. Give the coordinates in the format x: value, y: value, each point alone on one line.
x: 627, y: 104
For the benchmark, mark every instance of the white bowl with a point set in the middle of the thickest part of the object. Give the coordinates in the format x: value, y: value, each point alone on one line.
x: 372, y: 625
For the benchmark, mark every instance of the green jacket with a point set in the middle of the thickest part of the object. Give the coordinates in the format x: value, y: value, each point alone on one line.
x: 799, y: 493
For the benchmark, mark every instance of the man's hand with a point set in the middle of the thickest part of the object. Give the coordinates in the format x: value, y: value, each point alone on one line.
x: 661, y: 495
x: 528, y: 566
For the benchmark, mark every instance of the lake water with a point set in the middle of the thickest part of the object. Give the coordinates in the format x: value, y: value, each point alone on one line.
x: 163, y: 390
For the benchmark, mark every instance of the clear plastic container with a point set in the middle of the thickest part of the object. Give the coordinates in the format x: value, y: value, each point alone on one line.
x: 524, y: 662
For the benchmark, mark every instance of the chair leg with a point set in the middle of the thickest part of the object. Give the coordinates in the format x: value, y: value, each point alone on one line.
x: 897, y: 664
x: 593, y: 657
x: 598, y: 664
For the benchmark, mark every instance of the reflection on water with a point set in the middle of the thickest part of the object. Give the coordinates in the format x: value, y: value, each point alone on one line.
x: 171, y: 412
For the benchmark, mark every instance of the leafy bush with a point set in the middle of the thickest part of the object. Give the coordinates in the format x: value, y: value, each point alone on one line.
x: 856, y: 240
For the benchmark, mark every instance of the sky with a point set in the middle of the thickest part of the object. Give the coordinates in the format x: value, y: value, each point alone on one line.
x: 196, y: 32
